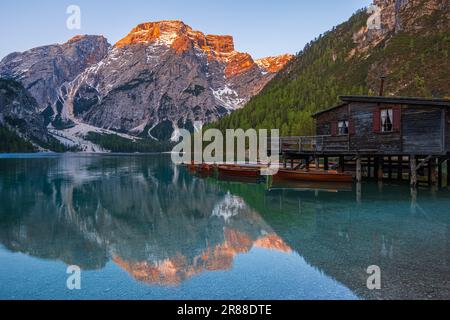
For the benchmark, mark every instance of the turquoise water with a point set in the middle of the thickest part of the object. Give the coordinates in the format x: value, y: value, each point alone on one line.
x: 140, y: 227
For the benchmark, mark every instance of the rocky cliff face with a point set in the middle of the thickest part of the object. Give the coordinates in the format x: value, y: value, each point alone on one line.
x: 412, y: 19
x: 408, y: 45
x: 19, y: 112
x: 274, y: 64
x: 161, y: 77
x: 41, y: 74
x: 164, y: 76
x: 409, y: 16
x: 43, y: 70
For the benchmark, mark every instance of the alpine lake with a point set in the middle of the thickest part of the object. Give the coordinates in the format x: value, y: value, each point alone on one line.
x: 140, y: 227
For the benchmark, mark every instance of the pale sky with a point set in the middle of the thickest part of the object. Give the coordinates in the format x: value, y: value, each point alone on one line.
x: 259, y: 27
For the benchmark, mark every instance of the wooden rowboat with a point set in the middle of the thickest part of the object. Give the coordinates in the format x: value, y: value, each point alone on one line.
x: 240, y: 171
x: 206, y: 167
x: 193, y: 167
x: 321, y: 176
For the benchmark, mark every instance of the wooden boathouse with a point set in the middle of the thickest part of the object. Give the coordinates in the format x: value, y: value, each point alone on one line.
x: 378, y: 137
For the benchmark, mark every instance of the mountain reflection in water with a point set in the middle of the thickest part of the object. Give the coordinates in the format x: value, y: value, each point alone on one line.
x: 151, y: 219
x: 164, y: 226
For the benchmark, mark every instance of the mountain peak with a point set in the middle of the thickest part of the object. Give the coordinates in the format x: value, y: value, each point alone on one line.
x: 177, y: 34
x: 180, y: 37
x: 274, y: 64
x: 81, y: 37
x: 76, y: 38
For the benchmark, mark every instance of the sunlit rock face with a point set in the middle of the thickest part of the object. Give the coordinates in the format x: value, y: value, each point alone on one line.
x: 177, y: 35
x: 161, y: 77
x: 274, y: 64
x: 164, y: 76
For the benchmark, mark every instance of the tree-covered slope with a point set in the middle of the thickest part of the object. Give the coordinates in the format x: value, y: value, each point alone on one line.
x: 11, y: 142
x: 411, y: 49
x: 22, y: 128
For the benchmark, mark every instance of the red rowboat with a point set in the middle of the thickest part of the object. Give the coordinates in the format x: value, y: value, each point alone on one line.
x: 322, y: 176
x: 240, y: 171
x: 193, y: 167
x: 207, y: 167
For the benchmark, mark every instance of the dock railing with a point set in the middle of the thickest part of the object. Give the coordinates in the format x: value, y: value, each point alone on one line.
x: 314, y: 144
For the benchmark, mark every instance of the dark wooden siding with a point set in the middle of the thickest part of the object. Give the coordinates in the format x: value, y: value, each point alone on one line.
x: 323, y: 129
x: 419, y: 130
x: 422, y: 130
x: 448, y: 129
x: 325, y: 120
x: 336, y: 144
x: 365, y: 139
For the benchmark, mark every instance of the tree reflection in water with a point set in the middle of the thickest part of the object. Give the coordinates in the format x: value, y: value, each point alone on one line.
x: 164, y: 226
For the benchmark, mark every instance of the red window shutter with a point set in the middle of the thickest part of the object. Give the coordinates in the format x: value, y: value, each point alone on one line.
x: 376, y: 120
x: 351, y: 126
x: 397, y: 113
x: 334, y: 128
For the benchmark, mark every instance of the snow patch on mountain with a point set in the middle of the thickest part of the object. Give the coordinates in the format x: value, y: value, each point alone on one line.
x: 228, y: 98
x: 76, y: 137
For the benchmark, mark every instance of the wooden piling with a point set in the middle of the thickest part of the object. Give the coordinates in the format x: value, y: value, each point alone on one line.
x: 413, y: 169
x: 400, y: 168
x: 429, y: 172
x: 341, y: 164
x: 448, y: 172
x: 358, y: 170
x: 390, y: 168
x: 380, y: 171
x: 433, y: 172
x: 439, y: 177
x: 317, y: 162
x: 376, y: 165
x: 269, y: 182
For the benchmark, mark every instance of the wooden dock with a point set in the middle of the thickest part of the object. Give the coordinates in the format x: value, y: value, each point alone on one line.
x: 378, y: 137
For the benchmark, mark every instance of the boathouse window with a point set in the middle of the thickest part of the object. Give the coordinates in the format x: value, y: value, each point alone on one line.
x: 343, y: 127
x: 386, y: 117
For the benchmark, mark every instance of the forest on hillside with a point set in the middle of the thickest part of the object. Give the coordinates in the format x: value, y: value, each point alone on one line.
x: 416, y: 64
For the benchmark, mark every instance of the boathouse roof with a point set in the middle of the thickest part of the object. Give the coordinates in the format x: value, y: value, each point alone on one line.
x: 389, y: 100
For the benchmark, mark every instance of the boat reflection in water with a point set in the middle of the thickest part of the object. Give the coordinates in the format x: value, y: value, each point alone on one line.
x: 195, y: 237
x: 279, y: 184
x: 152, y: 219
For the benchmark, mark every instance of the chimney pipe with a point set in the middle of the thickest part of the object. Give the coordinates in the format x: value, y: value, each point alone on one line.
x: 382, y: 79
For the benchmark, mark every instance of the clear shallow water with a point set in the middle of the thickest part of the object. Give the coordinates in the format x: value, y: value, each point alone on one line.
x: 142, y: 228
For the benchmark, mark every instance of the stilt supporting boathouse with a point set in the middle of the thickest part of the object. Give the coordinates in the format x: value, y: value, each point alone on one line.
x: 381, y: 138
